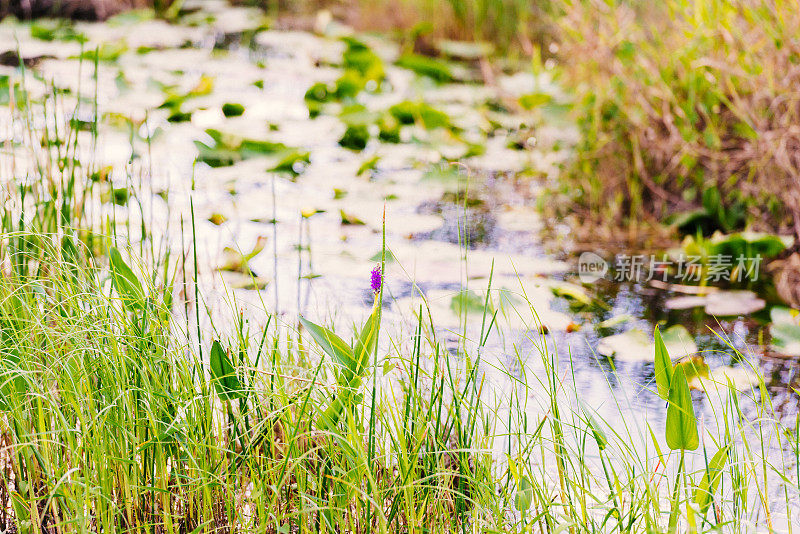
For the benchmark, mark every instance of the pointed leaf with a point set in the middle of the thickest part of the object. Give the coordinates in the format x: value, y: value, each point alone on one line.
x: 524, y: 496
x: 663, y: 367
x: 681, y: 423
x: 125, y: 281
x: 332, y: 344
x: 704, y: 494
x: 366, y: 342
x: 223, y: 374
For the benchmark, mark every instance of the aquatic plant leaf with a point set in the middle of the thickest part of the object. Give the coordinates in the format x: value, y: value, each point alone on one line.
x: 332, y: 344
x: 681, y: 429
x: 430, y: 118
x: 355, y: 138
x: 467, y: 301
x: 572, y: 292
x: 366, y: 341
x: 704, y: 493
x: 437, y: 70
x: 368, y: 166
x: 534, y: 100
x: 292, y: 162
x: 785, y: 330
x: 524, y: 496
x: 348, y: 219
x: 232, y: 109
x: 223, y: 374
x: 750, y: 244
x: 730, y: 303
x: 663, y: 366
x: 125, y: 281
x: 594, y: 425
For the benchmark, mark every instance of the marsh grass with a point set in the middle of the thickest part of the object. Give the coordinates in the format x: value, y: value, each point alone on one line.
x: 688, y: 107
x: 118, y: 414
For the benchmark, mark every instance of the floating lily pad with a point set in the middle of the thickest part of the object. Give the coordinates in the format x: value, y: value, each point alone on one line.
x: 348, y: 219
x: 355, y: 138
x: 245, y: 281
x: 785, y: 330
x: 637, y: 345
x: 684, y: 302
x: 368, y: 166
x: 534, y: 100
x: 731, y: 303
x: 572, y: 292
x: 226, y: 149
x: 435, y: 69
x: 217, y: 219
x: 468, y: 302
x: 231, y: 109
x: 412, y: 112
x: 465, y: 50
x: 235, y: 261
x: 741, y: 378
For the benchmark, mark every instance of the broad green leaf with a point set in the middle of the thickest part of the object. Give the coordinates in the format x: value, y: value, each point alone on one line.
x: 125, y: 281
x: 223, y: 374
x: 524, y: 496
x: 681, y: 428
x: 663, y: 367
x: 704, y: 494
x: 332, y: 344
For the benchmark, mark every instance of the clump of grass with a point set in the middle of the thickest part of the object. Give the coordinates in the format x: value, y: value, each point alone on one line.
x: 689, y: 107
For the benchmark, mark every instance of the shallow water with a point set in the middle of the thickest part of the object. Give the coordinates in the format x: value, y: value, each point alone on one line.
x: 448, y: 227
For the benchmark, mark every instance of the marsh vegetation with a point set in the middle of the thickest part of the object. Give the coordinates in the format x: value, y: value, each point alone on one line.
x: 261, y: 278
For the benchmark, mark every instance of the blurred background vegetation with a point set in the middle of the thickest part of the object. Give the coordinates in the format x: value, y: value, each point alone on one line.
x: 688, y: 110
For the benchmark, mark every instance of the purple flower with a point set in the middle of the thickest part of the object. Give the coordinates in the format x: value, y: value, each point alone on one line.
x: 376, y: 279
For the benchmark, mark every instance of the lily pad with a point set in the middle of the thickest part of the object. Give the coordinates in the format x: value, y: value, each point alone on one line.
x: 232, y: 109
x: 785, y: 330
x: 235, y: 261
x: 355, y: 138
x: 468, y: 302
x: 435, y: 69
x: 684, y: 302
x: 350, y: 220
x: 572, y: 292
x: 730, y: 303
x: 637, y: 345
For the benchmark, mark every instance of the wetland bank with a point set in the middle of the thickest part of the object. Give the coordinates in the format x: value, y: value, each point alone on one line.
x: 271, y: 280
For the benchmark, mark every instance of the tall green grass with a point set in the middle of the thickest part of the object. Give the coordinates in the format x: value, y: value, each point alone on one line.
x: 120, y: 414
x: 685, y: 107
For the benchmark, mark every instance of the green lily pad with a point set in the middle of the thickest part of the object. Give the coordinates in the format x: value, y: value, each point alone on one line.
x: 637, y: 345
x: 232, y: 109
x: 436, y: 69
x: 785, y: 331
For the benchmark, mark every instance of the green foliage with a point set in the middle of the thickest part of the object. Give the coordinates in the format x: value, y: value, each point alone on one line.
x: 227, y: 149
x: 232, y: 109
x: 681, y: 428
x: 355, y: 138
x: 352, y: 365
x: 125, y: 281
x: 436, y: 69
x: 676, y: 118
x: 663, y: 367
x: 223, y: 373
x: 704, y: 494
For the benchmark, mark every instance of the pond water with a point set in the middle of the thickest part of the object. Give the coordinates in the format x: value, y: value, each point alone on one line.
x: 219, y: 86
